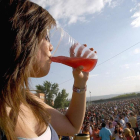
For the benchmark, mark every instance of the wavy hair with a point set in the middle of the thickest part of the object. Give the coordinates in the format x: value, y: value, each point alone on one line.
x: 23, y: 25
x: 127, y: 132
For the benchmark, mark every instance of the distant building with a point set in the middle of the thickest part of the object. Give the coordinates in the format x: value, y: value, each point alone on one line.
x: 41, y: 96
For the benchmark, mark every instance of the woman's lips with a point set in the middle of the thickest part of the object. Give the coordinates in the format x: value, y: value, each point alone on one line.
x: 50, y: 61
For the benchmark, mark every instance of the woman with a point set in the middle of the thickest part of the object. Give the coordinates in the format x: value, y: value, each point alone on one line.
x: 117, y: 135
x: 87, y: 129
x: 128, y: 125
x: 95, y: 132
x: 25, y: 52
x: 127, y: 134
x: 120, y: 126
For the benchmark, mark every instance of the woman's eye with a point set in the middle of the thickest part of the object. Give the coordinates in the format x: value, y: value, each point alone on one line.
x: 47, y: 38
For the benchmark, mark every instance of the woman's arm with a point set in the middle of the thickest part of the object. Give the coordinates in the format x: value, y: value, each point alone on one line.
x: 70, y: 123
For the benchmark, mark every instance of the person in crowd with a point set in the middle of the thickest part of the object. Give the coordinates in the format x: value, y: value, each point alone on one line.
x: 138, y: 125
x: 87, y: 129
x: 127, y: 134
x: 111, y: 127
x: 95, y: 132
x: 128, y: 125
x: 133, y: 121
x: 107, y: 123
x: 26, y: 52
x: 120, y: 126
x: 113, y: 122
x: 125, y: 118
x: 105, y: 133
x: 138, y: 121
x: 117, y: 134
x: 122, y: 122
x: 84, y: 122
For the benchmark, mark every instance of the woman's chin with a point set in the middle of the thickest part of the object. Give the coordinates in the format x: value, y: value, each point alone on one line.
x: 40, y: 74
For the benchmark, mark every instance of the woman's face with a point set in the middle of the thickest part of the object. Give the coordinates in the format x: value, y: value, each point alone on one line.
x: 43, y: 58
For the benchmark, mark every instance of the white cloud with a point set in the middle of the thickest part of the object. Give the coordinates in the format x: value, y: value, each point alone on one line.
x: 107, y: 73
x: 132, y: 78
x: 136, y: 51
x: 93, y: 75
x: 72, y: 11
x: 134, y: 1
x: 136, y: 16
x: 126, y: 66
x: 133, y: 9
x: 115, y: 3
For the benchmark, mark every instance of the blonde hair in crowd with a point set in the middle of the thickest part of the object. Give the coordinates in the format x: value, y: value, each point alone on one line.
x: 127, y: 132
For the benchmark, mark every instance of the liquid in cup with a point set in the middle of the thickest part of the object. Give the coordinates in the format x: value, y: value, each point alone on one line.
x: 74, y: 62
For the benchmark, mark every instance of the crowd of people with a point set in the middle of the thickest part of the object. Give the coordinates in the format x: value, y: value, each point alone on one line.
x: 114, y: 120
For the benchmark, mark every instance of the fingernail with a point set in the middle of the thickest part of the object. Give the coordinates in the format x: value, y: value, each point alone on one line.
x: 95, y: 51
x: 85, y: 45
x: 91, y: 49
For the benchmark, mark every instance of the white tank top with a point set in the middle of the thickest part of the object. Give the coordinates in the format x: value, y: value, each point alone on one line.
x: 45, y: 136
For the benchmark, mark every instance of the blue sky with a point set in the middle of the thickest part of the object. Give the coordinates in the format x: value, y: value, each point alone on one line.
x: 111, y: 27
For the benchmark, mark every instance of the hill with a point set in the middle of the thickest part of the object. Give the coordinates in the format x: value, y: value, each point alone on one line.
x: 93, y: 98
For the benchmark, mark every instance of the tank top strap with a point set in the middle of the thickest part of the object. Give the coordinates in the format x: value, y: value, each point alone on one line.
x: 54, y: 135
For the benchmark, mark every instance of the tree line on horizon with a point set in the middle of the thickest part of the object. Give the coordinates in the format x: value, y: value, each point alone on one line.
x: 119, y: 97
x: 59, y: 99
x: 127, y: 95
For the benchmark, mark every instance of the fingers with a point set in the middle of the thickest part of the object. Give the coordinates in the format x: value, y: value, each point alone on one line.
x: 91, y: 55
x: 86, y: 53
x: 80, y: 50
x: 79, y: 69
x: 72, y: 48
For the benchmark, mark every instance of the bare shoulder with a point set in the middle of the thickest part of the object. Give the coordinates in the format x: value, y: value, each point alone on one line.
x: 59, y: 121
x: 52, y: 111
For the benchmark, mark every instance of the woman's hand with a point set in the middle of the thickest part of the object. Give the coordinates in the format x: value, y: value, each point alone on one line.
x: 80, y: 77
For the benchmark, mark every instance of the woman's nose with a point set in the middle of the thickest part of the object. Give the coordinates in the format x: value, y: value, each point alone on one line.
x: 51, y: 47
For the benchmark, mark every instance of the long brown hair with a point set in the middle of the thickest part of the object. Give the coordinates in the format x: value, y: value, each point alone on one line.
x: 23, y: 24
